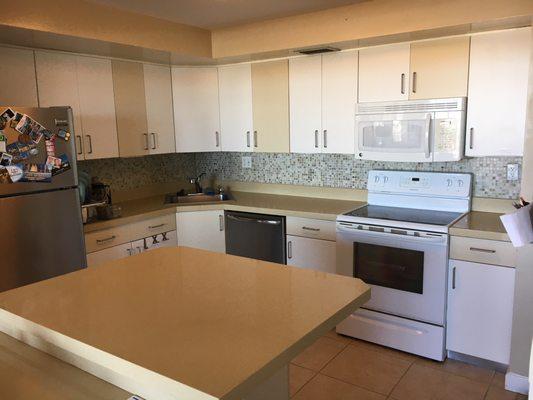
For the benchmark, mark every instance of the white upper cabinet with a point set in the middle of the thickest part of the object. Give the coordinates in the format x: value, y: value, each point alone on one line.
x: 384, y: 73
x: 339, y: 95
x: 17, y: 69
x: 98, y: 119
x: 323, y: 92
x: 497, y: 93
x: 196, y: 109
x: 305, y: 104
x: 57, y: 79
x: 159, y: 110
x: 236, y: 120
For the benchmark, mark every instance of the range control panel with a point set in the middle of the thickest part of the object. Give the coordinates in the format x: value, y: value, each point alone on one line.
x: 454, y: 185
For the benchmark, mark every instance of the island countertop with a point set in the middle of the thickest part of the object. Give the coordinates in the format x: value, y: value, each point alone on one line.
x: 181, y: 322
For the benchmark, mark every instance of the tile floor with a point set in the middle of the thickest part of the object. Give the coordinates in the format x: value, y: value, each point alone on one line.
x: 339, y: 368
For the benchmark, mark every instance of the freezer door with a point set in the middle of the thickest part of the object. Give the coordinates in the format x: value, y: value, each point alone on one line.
x: 53, y: 119
x: 42, y: 237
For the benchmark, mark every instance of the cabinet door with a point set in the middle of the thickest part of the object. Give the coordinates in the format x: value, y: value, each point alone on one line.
x: 235, y: 94
x: 339, y: 95
x: 19, y: 86
x: 311, y: 253
x: 384, y: 73
x: 202, y: 230
x: 57, y: 79
x: 109, y: 254
x: 439, y: 68
x: 305, y: 98
x: 270, y: 91
x: 130, y: 104
x: 137, y: 247
x: 480, y: 310
x: 95, y: 86
x: 196, y: 109
x: 159, y: 110
x: 497, y: 93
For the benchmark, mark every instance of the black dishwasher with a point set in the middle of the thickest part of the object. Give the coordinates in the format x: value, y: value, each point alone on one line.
x: 256, y: 236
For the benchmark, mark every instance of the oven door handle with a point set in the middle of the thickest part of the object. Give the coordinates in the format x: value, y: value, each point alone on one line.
x: 351, y: 233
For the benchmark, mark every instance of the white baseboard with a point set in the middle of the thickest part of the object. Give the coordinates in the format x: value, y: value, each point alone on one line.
x: 516, y: 383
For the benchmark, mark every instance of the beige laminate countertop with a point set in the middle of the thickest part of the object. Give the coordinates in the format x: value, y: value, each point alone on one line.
x: 297, y: 206
x: 27, y: 373
x: 181, y: 322
x: 480, y: 225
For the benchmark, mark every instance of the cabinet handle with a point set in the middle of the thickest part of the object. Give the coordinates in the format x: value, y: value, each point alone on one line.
x: 402, y: 83
x: 307, y: 228
x: 90, y: 144
x: 316, y: 139
x: 108, y: 239
x: 247, y: 138
x: 289, y: 249
x: 80, y: 151
x: 129, y: 252
x: 217, y: 139
x: 146, y: 145
x: 489, y: 251
x: 471, y: 138
x: 255, y: 138
x: 156, y: 226
x: 154, y: 141
x: 414, y: 82
x: 221, y: 222
x: 325, y: 138
x: 453, y: 277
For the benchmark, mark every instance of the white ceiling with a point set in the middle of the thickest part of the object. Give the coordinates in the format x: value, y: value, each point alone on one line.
x: 212, y: 14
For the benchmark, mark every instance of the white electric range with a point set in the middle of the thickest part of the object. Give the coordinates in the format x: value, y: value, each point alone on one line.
x: 398, y: 243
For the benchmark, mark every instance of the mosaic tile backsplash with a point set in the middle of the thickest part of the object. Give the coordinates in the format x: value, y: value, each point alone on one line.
x: 330, y: 170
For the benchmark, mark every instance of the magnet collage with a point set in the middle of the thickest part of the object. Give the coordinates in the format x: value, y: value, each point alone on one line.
x: 16, y: 158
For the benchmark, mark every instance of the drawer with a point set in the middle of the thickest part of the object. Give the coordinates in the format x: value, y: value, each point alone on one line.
x: 312, y: 228
x: 105, y: 238
x: 482, y: 251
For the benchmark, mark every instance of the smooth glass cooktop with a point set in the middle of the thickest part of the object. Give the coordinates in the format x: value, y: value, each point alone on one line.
x: 429, y: 217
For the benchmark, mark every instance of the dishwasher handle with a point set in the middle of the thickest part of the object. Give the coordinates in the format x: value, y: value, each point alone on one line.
x: 254, y: 220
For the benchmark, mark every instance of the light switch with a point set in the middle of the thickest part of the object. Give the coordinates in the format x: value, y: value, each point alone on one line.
x: 247, y: 162
x: 512, y: 172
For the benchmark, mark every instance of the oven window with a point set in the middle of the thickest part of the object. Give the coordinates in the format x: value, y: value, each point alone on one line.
x: 390, y: 267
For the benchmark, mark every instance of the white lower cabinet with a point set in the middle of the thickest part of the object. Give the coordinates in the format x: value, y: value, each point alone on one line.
x: 480, y: 310
x: 311, y: 253
x: 202, y: 230
x: 109, y: 254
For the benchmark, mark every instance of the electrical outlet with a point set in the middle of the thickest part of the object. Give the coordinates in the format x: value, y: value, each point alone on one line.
x: 512, y: 172
x: 247, y: 162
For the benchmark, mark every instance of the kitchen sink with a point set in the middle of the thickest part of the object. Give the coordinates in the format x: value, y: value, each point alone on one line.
x: 195, y: 198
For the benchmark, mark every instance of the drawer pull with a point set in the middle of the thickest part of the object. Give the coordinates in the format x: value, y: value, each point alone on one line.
x: 156, y: 226
x: 289, y: 249
x: 482, y: 250
x: 307, y: 228
x: 110, y: 238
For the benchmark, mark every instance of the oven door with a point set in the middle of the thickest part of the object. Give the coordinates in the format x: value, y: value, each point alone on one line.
x: 394, y: 137
x: 407, y: 272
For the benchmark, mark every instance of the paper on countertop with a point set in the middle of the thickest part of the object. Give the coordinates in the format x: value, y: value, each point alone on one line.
x: 519, y: 226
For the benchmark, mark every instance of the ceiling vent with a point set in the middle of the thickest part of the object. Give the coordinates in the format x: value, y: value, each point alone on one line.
x: 317, y: 50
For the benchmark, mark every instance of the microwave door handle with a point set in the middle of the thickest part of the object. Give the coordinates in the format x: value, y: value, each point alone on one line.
x: 428, y: 127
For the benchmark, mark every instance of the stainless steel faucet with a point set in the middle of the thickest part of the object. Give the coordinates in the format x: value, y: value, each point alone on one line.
x: 197, y: 182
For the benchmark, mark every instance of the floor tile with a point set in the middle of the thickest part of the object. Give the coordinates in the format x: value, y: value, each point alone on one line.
x: 298, y: 377
x: 385, y: 350
x: 496, y: 393
x: 498, y: 380
x: 334, y: 335
x: 423, y: 382
x: 316, y: 356
x: 367, y: 369
x: 459, y: 368
x: 325, y: 388
x: 521, y: 397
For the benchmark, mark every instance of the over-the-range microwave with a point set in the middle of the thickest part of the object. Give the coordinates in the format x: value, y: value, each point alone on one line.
x: 411, y: 131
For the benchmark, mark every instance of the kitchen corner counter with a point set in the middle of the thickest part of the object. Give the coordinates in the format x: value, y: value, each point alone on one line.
x: 297, y: 206
x: 480, y: 225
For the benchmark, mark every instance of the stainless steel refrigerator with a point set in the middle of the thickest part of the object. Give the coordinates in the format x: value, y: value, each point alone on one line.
x: 40, y: 216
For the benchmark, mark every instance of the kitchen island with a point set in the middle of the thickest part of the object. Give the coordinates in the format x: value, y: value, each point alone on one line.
x: 181, y: 323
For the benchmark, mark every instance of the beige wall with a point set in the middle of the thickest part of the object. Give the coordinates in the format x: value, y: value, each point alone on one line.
x: 523, y: 304
x: 358, y: 21
x: 88, y: 20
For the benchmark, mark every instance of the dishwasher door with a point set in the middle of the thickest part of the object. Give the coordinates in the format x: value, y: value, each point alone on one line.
x: 256, y: 236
